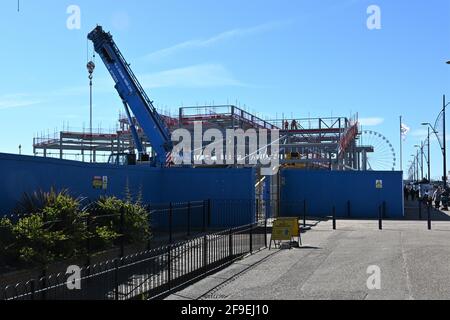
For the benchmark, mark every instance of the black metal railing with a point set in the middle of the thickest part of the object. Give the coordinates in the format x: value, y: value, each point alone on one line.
x: 149, y: 274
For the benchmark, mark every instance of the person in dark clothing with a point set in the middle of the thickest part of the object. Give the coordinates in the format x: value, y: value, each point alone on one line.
x: 413, y: 194
x: 425, y: 198
x: 406, y: 193
x: 437, y: 198
x: 444, y: 199
x: 294, y: 125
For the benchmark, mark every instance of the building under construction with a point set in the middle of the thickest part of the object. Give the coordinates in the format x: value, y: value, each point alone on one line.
x: 320, y: 143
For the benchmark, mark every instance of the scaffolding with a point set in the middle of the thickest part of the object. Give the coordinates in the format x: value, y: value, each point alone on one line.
x: 89, y: 146
x: 313, y: 143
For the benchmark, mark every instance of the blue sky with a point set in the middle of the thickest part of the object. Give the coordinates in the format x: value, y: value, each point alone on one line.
x: 297, y: 57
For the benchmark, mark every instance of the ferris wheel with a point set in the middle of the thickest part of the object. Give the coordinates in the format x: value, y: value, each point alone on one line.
x: 383, y: 157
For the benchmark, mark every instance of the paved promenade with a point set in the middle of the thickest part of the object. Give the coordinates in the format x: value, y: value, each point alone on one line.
x: 414, y: 264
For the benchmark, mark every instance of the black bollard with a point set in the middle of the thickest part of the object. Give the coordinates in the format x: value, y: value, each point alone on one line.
x: 420, y: 210
x: 380, y: 218
x: 334, y: 218
x: 304, y: 214
x: 429, y: 217
x: 349, y: 209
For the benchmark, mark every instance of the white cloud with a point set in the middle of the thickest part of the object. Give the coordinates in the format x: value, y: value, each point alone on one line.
x: 371, y: 122
x: 17, y: 101
x: 197, y: 76
x: 202, y: 43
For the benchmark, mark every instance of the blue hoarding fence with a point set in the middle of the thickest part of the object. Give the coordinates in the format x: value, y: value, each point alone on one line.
x: 354, y: 194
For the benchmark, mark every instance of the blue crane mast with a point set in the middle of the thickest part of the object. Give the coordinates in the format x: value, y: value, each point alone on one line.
x: 134, y: 97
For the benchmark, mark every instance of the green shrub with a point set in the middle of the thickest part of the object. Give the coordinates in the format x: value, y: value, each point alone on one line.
x: 136, y: 218
x: 36, y: 201
x: 34, y: 242
x: 104, y: 237
x: 63, y: 214
x: 55, y: 227
x: 7, y: 240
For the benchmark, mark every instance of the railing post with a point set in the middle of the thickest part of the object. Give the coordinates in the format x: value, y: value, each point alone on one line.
x: 122, y: 232
x: 251, y: 238
x: 230, y: 243
x: 149, y: 245
x: 304, y: 213
x: 189, y: 219
x: 265, y: 232
x: 116, y: 279
x: 32, y: 289
x: 209, y: 213
x: 170, y: 223
x: 44, y: 283
x: 169, y: 266
x: 204, y: 218
x: 420, y: 210
x: 205, y: 252
x: 429, y: 217
x: 334, y: 218
x: 257, y: 211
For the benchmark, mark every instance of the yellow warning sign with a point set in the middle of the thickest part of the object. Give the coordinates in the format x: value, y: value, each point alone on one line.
x: 292, y: 223
x: 379, y: 184
x: 284, y: 229
x: 281, y: 230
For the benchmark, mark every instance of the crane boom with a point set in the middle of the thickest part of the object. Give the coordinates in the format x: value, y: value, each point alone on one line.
x: 132, y: 94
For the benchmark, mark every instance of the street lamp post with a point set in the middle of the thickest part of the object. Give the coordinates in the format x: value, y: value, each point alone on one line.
x: 443, y: 143
x: 417, y: 163
x: 415, y: 173
x: 429, y: 155
x: 420, y: 147
x: 444, y: 151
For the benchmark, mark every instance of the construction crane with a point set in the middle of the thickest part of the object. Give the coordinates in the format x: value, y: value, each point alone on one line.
x: 134, y: 97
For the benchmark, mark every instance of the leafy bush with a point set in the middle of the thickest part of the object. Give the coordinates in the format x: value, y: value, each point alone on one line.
x: 135, y: 227
x: 56, y: 227
x: 34, y: 242
x: 104, y: 237
x: 63, y: 214
x: 36, y: 202
x: 7, y: 240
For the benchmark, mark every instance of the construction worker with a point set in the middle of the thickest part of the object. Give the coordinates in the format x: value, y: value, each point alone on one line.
x: 286, y: 125
x: 294, y: 125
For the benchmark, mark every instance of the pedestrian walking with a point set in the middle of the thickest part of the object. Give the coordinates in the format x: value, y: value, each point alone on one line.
x: 437, y: 198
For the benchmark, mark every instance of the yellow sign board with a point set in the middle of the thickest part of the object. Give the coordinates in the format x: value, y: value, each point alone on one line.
x: 281, y: 233
x: 379, y: 184
x: 292, y: 223
x: 284, y: 229
x: 100, y: 182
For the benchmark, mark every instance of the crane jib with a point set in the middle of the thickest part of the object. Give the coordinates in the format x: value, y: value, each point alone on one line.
x: 133, y: 94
